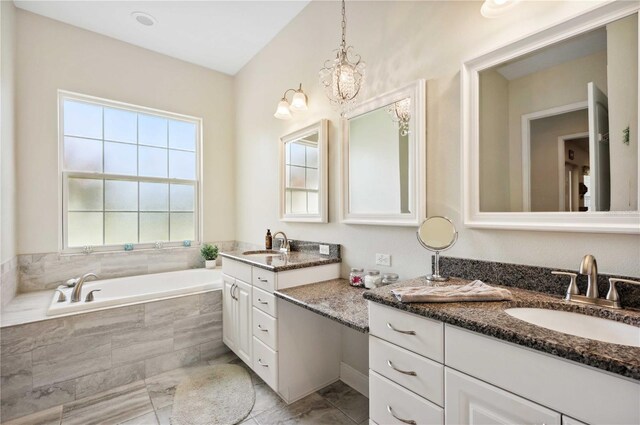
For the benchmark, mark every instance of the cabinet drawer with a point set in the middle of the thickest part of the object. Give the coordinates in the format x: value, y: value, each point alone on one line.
x: 389, y: 399
x: 415, y: 333
x: 418, y: 374
x: 265, y: 363
x: 265, y: 328
x: 264, y: 279
x: 236, y: 269
x: 264, y: 301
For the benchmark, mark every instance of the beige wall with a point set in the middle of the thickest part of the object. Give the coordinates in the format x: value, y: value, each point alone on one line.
x: 53, y: 56
x: 401, y: 42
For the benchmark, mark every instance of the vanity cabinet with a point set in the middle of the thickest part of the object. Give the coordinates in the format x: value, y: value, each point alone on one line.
x: 236, y: 322
x: 473, y: 378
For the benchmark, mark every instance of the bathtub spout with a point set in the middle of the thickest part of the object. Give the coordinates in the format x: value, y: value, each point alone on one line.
x: 77, y: 290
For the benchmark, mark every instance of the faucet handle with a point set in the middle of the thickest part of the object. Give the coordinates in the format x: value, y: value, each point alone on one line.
x: 62, y: 297
x: 613, y: 295
x: 89, y: 297
x: 573, y: 287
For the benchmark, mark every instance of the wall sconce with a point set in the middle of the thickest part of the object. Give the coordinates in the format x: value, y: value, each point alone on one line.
x: 298, y: 103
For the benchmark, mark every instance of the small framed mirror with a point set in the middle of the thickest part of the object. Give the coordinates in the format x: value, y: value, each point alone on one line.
x: 437, y: 234
x: 384, y: 159
x: 303, y: 174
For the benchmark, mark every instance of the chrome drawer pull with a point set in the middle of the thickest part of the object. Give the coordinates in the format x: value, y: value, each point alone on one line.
x: 398, y: 330
x: 406, y: 421
x: 262, y: 364
x: 263, y: 330
x: 262, y: 280
x: 406, y: 372
x: 262, y: 302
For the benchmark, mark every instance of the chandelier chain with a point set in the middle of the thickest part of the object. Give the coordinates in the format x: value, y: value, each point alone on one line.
x: 344, y: 26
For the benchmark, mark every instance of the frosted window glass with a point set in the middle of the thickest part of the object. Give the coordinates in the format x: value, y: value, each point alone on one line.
x: 296, y: 177
x: 120, y: 158
x: 312, y: 202
x: 152, y: 130
x: 287, y: 201
x: 152, y: 162
x: 154, y: 227
x: 182, y: 226
x: 85, y: 195
x: 120, y: 125
x: 298, y: 202
x: 312, y: 178
x: 120, y: 195
x: 312, y: 157
x: 297, y: 154
x: 182, y: 197
x: 287, y: 153
x: 182, y: 165
x: 120, y: 228
x: 182, y: 135
x: 84, y: 228
x: 82, y: 155
x: 154, y: 196
x: 82, y: 119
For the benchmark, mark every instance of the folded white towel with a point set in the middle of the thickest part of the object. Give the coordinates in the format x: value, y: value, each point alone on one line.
x: 473, y: 291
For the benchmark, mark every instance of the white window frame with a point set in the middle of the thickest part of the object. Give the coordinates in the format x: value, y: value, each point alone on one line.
x: 63, y: 176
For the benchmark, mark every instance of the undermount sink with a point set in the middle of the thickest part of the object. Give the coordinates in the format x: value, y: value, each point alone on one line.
x: 262, y: 253
x: 579, y: 325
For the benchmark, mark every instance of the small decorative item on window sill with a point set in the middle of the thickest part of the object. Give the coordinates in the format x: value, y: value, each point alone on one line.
x: 128, y: 247
x: 625, y: 136
x: 186, y: 243
x: 210, y: 254
x: 87, y: 249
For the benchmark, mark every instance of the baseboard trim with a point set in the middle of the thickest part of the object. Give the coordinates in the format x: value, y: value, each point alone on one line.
x: 355, y: 379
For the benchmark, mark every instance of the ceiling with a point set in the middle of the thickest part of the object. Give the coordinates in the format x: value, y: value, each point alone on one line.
x: 220, y: 35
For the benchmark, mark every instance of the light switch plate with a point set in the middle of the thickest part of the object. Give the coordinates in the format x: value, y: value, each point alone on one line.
x: 383, y: 259
x: 324, y: 249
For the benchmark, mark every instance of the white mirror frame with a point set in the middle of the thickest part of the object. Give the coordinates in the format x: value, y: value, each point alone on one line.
x: 321, y: 127
x: 417, y: 165
x: 596, y: 222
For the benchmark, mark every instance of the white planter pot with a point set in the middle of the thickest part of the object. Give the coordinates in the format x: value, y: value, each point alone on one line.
x: 210, y: 264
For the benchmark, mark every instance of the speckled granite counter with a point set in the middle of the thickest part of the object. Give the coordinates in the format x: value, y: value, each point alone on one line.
x: 490, y: 319
x: 280, y: 262
x: 335, y: 299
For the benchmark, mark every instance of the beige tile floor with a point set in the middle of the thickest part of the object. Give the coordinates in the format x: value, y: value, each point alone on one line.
x: 149, y: 402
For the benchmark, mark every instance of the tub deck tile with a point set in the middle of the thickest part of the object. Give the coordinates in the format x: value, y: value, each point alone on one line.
x: 197, y: 330
x: 102, y: 381
x: 171, y: 310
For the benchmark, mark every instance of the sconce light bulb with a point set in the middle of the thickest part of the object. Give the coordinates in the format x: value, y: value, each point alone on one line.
x: 282, y: 111
x: 299, y: 101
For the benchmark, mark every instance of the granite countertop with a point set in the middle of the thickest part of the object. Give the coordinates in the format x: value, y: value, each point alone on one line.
x: 280, y: 261
x: 335, y: 299
x: 489, y: 318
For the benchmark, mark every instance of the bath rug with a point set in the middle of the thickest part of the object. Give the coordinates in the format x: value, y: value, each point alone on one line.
x: 221, y: 394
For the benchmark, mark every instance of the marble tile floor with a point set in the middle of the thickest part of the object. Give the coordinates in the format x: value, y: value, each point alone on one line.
x: 149, y: 402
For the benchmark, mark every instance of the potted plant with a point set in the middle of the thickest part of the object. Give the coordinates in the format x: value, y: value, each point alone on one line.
x: 209, y: 253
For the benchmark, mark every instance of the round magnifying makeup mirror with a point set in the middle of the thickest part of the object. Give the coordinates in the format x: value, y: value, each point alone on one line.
x: 437, y: 234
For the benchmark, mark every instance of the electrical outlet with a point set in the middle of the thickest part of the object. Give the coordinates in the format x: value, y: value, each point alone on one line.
x: 383, y: 259
x: 324, y: 249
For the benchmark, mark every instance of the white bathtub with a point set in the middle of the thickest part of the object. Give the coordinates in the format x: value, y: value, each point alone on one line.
x: 136, y: 289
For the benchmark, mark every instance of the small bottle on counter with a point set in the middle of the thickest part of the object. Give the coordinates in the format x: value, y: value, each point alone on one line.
x: 389, y: 278
x: 356, y: 277
x: 372, y: 279
x: 268, y: 240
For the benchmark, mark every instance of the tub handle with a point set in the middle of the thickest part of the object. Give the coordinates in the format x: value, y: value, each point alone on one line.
x: 89, y: 297
x: 62, y: 298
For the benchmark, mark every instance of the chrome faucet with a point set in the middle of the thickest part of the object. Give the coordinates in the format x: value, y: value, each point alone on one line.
x: 285, y: 247
x: 589, y: 267
x: 77, y: 289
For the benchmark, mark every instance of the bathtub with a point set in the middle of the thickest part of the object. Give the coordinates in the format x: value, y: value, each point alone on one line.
x: 137, y: 289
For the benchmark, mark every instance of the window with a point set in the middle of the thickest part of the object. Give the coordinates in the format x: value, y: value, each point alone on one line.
x: 129, y: 174
x: 301, y: 176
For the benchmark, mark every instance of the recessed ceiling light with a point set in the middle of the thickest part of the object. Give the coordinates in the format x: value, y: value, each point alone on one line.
x: 494, y: 8
x: 144, y: 18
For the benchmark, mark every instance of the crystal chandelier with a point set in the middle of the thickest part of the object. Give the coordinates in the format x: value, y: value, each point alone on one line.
x: 400, y: 112
x: 343, y: 76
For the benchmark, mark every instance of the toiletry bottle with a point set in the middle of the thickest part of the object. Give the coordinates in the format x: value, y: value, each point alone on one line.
x: 268, y: 240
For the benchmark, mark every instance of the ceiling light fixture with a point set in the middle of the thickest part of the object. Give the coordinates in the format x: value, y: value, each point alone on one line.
x: 343, y: 76
x: 298, y: 103
x: 495, y: 8
x: 400, y: 112
x: 144, y: 19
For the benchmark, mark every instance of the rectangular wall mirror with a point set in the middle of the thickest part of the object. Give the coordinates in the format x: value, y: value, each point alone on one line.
x: 303, y: 174
x: 383, y: 159
x: 551, y: 128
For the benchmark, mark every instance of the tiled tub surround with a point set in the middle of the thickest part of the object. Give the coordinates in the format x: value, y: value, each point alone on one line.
x: 8, y: 281
x: 489, y: 318
x: 534, y: 278
x: 55, y: 361
x: 38, y: 272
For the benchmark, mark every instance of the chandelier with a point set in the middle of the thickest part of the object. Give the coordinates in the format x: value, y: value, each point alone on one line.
x: 343, y: 76
x: 400, y: 112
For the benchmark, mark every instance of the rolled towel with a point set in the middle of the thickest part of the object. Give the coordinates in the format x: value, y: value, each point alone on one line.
x: 473, y: 291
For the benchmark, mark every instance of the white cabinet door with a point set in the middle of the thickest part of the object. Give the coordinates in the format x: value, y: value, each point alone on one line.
x: 243, y: 321
x: 473, y: 402
x: 229, y: 332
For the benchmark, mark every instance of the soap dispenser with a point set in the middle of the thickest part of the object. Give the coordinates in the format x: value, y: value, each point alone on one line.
x: 268, y: 240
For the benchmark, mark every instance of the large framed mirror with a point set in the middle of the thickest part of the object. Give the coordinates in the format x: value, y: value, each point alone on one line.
x: 550, y: 128
x: 303, y: 174
x: 384, y: 159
